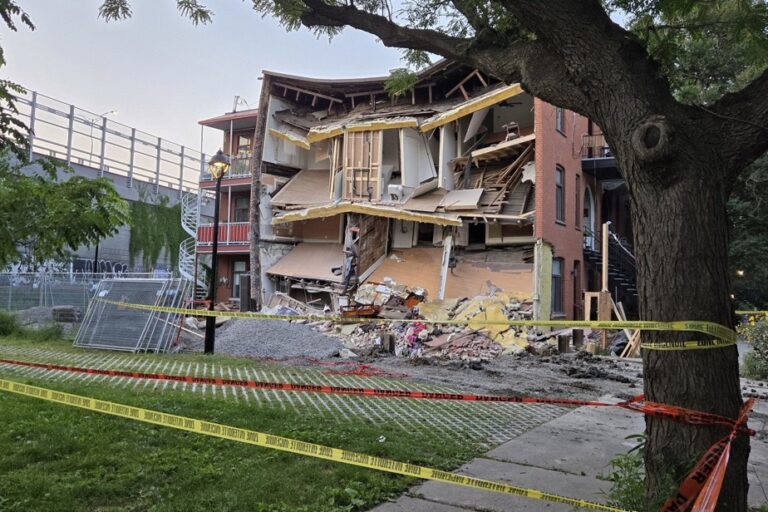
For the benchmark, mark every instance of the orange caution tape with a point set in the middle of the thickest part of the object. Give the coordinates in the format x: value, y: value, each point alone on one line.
x: 703, y: 484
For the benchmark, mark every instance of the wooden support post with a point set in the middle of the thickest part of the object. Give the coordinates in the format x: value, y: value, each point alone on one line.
x: 563, y: 341
x: 447, y: 246
x: 604, y: 311
x: 578, y: 338
x: 604, y: 302
x: 605, y: 257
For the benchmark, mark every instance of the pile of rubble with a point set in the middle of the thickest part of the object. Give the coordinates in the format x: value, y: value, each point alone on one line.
x: 469, y: 330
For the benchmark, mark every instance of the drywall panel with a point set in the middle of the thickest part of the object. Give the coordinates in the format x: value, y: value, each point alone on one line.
x: 402, y: 234
x: 416, y: 163
x: 277, y: 150
x: 448, y: 149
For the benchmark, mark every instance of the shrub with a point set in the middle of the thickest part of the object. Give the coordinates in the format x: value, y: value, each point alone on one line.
x: 8, y: 323
x: 755, y: 331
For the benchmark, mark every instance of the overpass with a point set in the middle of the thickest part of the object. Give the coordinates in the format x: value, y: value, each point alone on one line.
x: 141, y: 166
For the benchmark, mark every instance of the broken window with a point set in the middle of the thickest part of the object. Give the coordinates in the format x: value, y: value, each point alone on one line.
x: 362, y: 165
x: 559, y: 194
x: 557, y: 285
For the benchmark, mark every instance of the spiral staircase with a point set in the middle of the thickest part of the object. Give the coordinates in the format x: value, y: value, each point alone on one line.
x: 190, y: 213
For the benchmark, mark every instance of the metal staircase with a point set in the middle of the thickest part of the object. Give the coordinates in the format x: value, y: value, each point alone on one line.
x: 622, y: 270
x: 190, y: 213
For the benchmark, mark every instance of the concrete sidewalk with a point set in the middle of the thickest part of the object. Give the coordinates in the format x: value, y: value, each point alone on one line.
x: 564, y: 456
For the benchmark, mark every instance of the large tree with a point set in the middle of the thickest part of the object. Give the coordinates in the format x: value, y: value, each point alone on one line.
x: 679, y: 155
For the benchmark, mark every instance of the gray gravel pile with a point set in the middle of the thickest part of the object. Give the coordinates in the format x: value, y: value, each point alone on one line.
x: 270, y: 338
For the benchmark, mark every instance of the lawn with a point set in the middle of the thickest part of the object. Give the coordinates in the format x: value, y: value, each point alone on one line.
x: 61, y: 458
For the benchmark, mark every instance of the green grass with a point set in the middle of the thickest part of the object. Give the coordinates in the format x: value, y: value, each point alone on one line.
x: 56, y: 457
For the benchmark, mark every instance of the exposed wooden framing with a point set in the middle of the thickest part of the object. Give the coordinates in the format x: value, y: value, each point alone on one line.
x: 364, y: 93
x: 633, y: 345
x: 460, y: 85
x: 314, y: 94
x: 480, y: 102
x: 588, y: 296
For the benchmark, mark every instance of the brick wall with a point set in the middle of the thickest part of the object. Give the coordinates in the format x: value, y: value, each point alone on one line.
x: 555, y: 148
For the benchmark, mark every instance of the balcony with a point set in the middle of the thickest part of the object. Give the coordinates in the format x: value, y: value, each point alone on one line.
x: 240, y: 167
x: 230, y: 233
x: 597, y: 157
x: 594, y: 146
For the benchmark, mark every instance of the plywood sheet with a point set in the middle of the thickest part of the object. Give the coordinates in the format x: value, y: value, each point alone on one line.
x: 310, y: 261
x: 427, y: 202
x: 308, y: 187
x: 466, y: 199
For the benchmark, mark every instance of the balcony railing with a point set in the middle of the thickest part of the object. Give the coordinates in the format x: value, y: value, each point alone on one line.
x: 240, y: 167
x: 594, y: 146
x: 230, y: 233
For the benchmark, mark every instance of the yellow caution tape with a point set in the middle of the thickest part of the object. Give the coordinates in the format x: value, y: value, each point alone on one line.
x: 286, y: 444
x: 724, y: 336
x: 752, y: 312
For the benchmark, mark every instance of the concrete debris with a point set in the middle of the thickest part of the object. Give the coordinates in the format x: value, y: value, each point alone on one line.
x: 482, y: 335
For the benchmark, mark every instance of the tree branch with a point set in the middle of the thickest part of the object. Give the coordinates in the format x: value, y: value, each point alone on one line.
x: 540, y: 71
x: 743, y: 122
x: 320, y: 13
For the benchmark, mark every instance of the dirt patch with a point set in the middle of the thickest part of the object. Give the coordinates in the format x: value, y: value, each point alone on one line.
x: 579, y: 375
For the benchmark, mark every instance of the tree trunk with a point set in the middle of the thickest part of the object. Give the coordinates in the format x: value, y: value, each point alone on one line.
x: 681, y: 236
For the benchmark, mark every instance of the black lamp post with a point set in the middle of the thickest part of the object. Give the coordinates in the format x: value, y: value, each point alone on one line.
x: 218, y: 167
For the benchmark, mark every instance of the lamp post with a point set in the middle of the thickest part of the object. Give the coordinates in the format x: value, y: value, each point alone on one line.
x: 218, y: 167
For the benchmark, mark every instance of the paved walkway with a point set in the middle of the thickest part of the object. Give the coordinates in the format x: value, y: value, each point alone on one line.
x: 564, y: 456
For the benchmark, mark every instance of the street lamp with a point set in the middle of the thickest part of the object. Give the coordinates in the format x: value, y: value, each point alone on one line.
x: 218, y: 167
x: 91, y: 121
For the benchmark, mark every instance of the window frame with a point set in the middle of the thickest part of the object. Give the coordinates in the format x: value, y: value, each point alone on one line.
x: 558, y: 287
x: 560, y: 120
x: 560, y: 194
x: 579, y: 208
x: 236, y: 209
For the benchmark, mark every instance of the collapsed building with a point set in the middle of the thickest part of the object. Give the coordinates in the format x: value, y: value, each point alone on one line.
x: 458, y: 187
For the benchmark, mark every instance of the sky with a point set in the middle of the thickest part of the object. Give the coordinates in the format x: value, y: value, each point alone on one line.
x: 163, y: 74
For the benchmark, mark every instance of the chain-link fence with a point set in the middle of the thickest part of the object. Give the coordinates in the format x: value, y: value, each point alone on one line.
x: 19, y: 291
x: 108, y: 325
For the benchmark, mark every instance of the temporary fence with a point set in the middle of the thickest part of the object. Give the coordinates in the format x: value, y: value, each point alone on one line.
x: 24, y: 290
x: 109, y: 326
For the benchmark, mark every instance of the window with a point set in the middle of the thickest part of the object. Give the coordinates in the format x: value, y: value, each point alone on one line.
x: 577, y: 217
x: 557, y: 285
x: 560, y: 194
x: 241, y: 209
x: 243, y: 145
x: 238, y: 269
x: 560, y: 120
